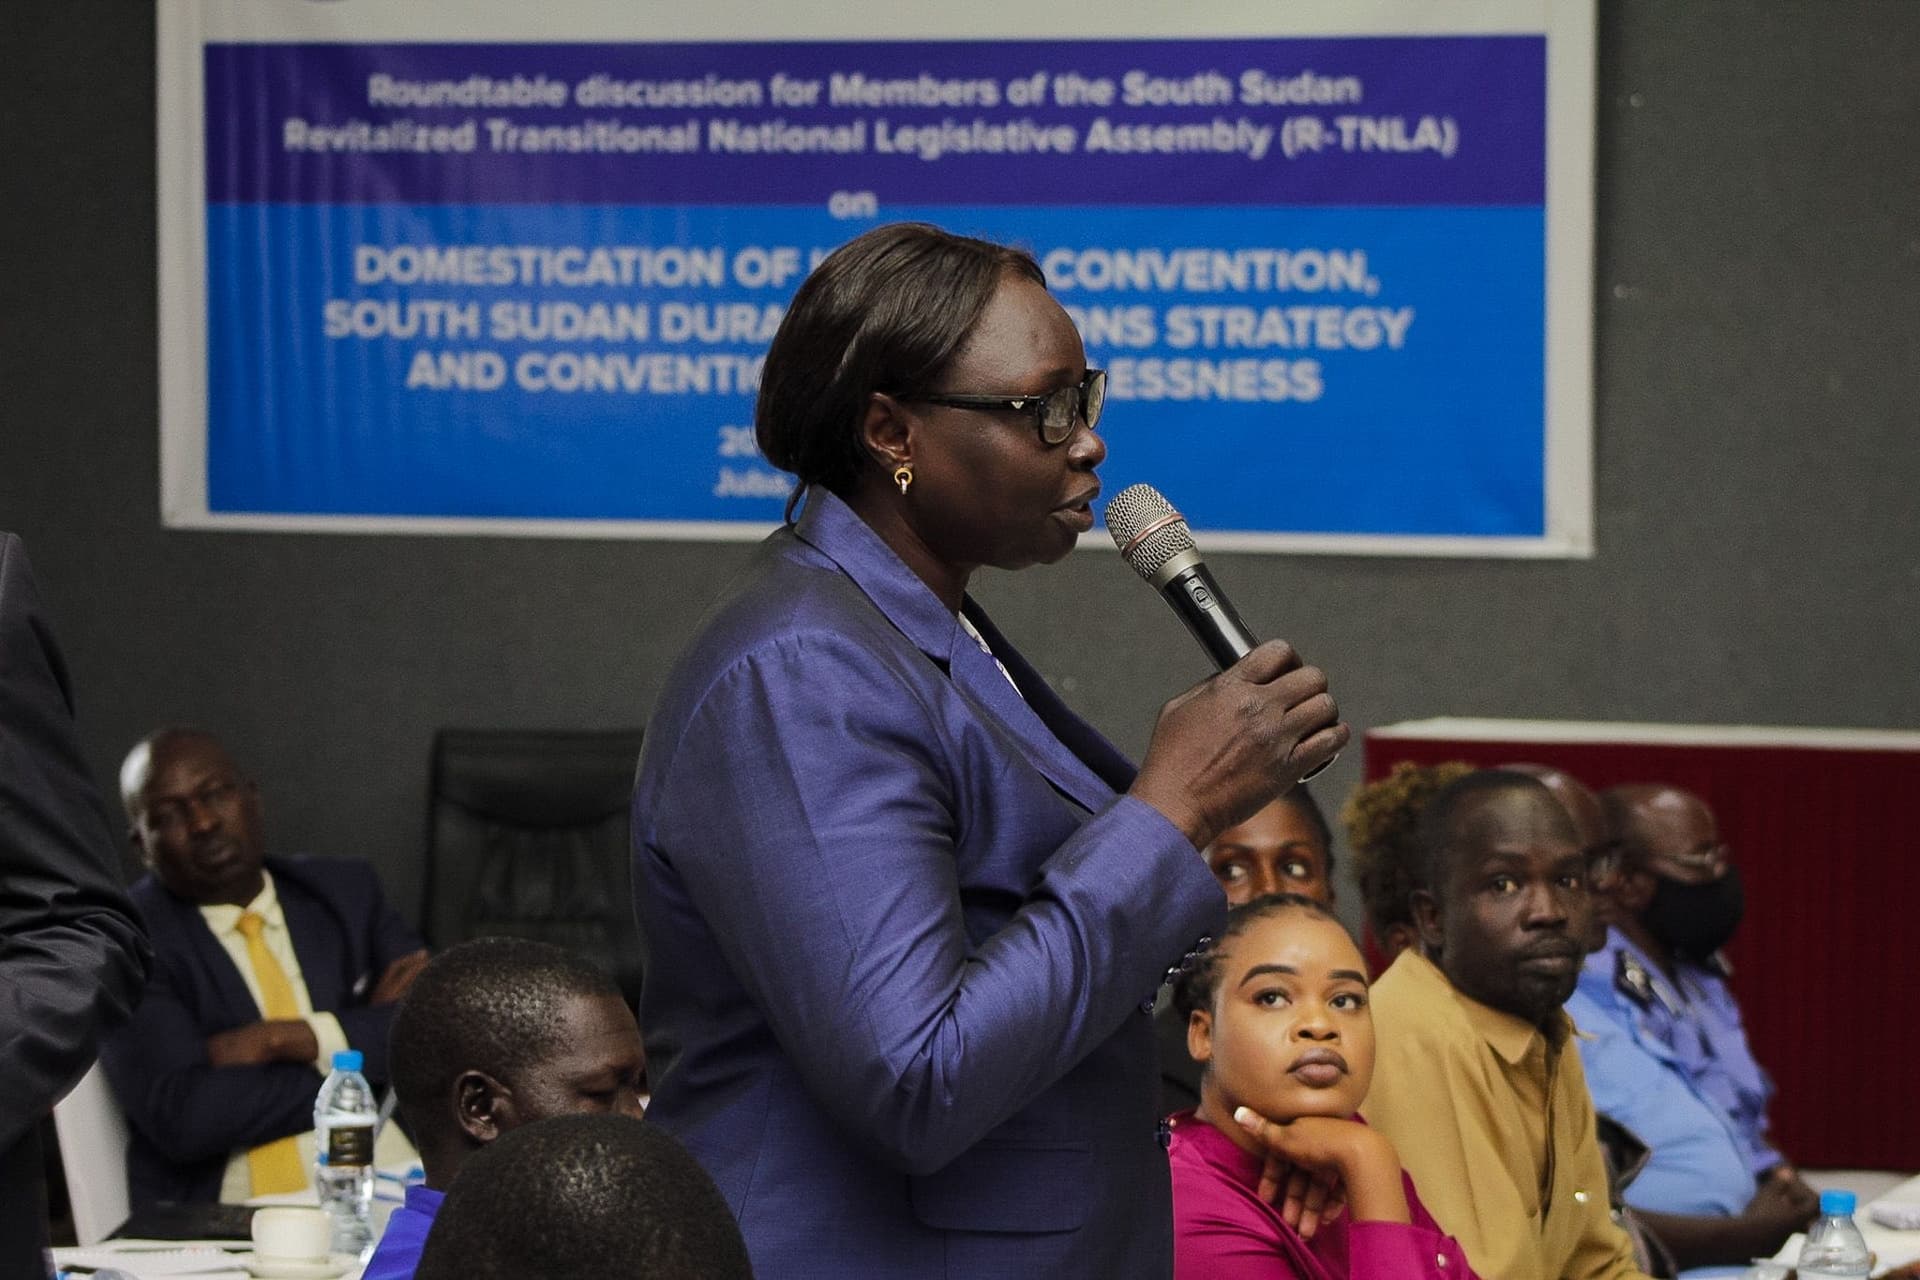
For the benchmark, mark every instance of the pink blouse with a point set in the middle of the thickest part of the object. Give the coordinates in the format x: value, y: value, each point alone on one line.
x: 1222, y: 1230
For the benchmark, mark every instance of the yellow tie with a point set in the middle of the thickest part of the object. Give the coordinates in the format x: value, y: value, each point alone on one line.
x: 275, y: 1167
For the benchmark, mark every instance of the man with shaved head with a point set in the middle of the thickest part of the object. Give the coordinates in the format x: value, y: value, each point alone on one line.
x: 263, y: 968
x: 1663, y: 1046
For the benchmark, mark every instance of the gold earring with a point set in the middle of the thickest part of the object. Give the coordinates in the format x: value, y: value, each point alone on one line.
x: 903, y: 476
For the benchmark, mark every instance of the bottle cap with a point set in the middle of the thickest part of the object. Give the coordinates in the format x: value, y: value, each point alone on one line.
x: 1837, y: 1204
x: 353, y: 1060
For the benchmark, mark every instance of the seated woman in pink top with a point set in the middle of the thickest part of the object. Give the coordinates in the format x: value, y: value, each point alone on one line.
x: 1277, y: 1016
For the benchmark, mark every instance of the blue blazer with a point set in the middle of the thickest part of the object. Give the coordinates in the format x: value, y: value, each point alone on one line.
x: 901, y: 922
x: 187, y: 1117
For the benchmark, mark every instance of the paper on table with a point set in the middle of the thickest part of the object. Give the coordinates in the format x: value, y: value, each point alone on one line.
x: 163, y: 1260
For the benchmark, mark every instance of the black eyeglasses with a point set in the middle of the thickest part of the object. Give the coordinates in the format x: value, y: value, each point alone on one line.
x: 1053, y: 414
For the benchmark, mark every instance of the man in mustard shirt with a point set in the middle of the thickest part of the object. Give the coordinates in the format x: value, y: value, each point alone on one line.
x: 1475, y: 1081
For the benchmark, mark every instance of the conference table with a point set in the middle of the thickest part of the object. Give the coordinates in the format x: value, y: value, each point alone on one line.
x: 183, y: 1260
x: 187, y: 1260
x: 223, y: 1259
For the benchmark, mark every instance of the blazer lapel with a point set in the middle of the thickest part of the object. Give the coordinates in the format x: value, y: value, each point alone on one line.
x: 977, y: 676
x: 1059, y: 743
x: 831, y: 527
x: 317, y: 943
x: 227, y: 986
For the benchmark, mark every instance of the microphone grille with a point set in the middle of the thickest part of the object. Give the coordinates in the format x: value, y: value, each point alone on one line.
x: 1146, y: 528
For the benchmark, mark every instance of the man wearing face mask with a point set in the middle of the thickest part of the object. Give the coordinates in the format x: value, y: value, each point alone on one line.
x: 1664, y: 1049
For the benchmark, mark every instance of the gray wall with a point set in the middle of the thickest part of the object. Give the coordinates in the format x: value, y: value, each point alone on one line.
x: 1758, y: 301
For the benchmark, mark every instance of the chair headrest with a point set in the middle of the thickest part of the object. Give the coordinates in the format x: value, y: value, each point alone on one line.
x: 536, y: 778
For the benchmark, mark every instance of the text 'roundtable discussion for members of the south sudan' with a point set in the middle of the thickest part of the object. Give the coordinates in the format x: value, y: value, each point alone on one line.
x: 881, y: 135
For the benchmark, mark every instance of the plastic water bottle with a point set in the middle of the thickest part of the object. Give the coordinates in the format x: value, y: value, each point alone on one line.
x: 1834, y: 1247
x: 344, y: 1118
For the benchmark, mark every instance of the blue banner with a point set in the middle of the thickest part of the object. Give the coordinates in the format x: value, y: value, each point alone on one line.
x: 534, y: 283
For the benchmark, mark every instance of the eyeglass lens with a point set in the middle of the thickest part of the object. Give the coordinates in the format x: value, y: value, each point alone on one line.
x: 1062, y: 407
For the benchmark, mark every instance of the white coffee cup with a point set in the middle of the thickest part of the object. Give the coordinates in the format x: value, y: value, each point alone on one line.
x: 284, y: 1234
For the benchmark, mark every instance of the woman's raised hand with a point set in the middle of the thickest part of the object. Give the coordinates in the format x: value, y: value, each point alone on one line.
x: 1231, y: 744
x: 1332, y: 1153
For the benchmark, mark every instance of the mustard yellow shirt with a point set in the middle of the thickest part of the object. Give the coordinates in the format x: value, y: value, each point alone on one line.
x: 1492, y: 1118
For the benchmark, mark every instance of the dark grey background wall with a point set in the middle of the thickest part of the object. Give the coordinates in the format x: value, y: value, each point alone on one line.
x: 1758, y: 299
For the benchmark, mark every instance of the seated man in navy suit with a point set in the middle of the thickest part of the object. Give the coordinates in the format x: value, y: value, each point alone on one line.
x: 263, y: 968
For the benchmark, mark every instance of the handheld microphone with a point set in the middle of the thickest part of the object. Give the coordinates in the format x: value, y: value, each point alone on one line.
x: 1154, y: 539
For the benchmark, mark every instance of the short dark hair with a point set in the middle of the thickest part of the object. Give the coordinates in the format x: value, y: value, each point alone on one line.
x: 489, y: 1004
x: 1382, y: 819
x: 887, y: 311
x: 598, y: 1195
x: 1195, y: 988
x: 1302, y: 799
x: 1438, y: 820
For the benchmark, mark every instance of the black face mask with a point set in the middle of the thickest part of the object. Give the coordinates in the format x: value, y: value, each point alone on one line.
x: 1696, y: 920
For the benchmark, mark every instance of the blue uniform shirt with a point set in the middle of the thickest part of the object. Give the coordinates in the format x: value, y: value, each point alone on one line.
x: 399, y: 1253
x: 1670, y: 1061
x: 1698, y: 1021
x: 1696, y: 1165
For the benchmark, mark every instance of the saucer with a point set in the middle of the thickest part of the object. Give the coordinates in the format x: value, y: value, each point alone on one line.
x: 288, y: 1269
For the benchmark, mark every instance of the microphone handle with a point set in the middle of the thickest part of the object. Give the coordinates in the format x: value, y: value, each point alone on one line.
x: 1197, y: 598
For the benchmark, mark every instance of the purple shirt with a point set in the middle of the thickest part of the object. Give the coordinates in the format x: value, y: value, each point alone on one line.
x: 406, y: 1236
x: 1223, y: 1230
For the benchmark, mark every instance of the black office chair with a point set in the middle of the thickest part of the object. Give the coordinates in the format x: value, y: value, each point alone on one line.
x: 528, y: 837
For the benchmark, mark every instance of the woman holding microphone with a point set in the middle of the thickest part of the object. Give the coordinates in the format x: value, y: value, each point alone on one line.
x: 902, y: 905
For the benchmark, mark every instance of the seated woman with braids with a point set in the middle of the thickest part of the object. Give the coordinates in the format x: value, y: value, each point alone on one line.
x: 1277, y: 1016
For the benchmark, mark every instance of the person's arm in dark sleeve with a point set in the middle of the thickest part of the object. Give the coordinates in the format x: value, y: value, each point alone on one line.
x: 396, y: 956
x: 188, y: 1107
x: 73, y: 957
